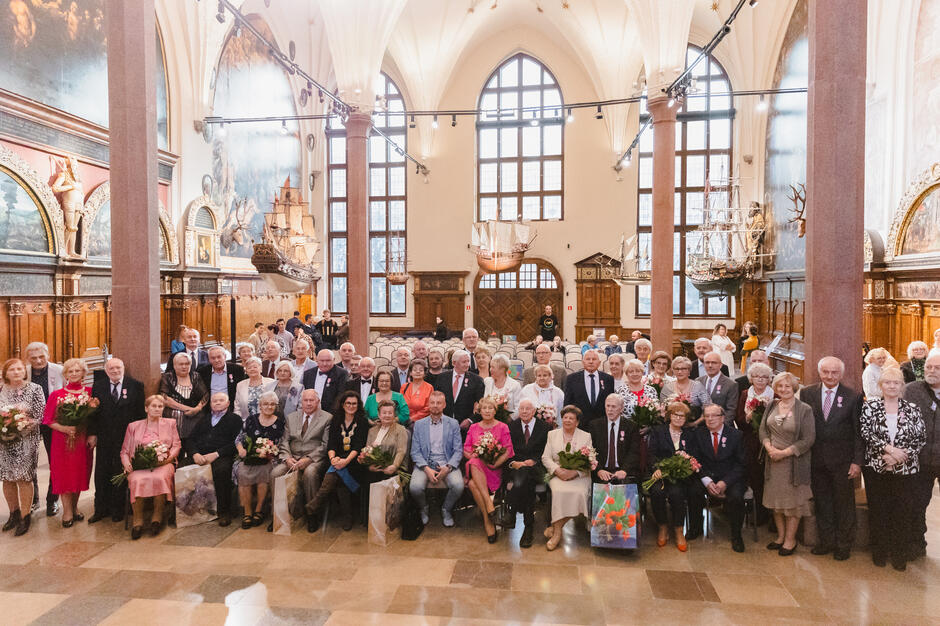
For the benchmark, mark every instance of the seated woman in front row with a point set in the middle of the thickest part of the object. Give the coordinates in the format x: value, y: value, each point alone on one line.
x: 485, y: 478
x: 666, y: 440
x: 388, y: 434
x: 157, y: 483
x: 570, y: 488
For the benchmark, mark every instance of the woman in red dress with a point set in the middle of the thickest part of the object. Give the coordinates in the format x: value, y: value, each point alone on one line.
x: 70, y: 455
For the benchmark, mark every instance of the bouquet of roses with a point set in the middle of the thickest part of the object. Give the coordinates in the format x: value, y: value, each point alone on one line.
x: 150, y: 456
x: 674, y: 468
x: 487, y: 448
x: 503, y: 414
x: 757, y: 406
x: 582, y: 460
x: 259, y: 450
x: 647, y: 412
x: 74, y: 410
x: 14, y: 424
x: 547, y: 414
x: 377, y: 456
x: 655, y: 381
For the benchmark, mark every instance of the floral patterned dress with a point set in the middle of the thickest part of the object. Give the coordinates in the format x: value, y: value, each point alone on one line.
x: 18, y: 460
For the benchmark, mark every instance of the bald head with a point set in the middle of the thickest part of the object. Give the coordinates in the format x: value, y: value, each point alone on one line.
x: 759, y: 356
x: 325, y: 360
x: 114, y: 368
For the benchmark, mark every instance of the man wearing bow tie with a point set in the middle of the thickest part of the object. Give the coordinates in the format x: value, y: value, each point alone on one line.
x: 122, y: 402
x: 363, y: 382
x: 328, y: 379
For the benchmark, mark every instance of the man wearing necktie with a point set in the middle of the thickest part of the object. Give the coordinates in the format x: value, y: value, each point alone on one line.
x: 400, y: 373
x: 121, y: 402
x: 470, y: 340
x: 461, y: 388
x: 722, y: 390
x: 529, y: 436
x: 589, y: 388
x: 838, y: 453
x: 617, y: 442
x: 303, y: 446
x: 212, y: 442
x: 327, y: 378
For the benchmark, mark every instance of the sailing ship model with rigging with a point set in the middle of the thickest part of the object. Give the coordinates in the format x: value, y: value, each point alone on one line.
x: 500, y: 246
x: 634, y: 268
x: 287, y: 252
x: 729, y: 250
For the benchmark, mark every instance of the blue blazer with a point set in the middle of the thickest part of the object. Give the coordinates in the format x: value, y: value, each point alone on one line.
x: 421, y: 442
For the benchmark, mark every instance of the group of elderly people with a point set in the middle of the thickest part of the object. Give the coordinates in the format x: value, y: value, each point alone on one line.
x: 790, y: 445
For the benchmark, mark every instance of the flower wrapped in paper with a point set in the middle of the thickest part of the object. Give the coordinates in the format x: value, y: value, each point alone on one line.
x: 74, y: 409
x: 674, y: 468
x: 756, y: 406
x: 614, y: 516
x: 647, y: 412
x: 15, y: 424
x: 146, y: 457
x: 487, y: 448
x: 259, y: 450
x: 547, y: 413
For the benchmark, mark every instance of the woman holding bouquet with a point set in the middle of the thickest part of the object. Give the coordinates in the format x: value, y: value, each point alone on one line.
x: 487, y: 447
x: 19, y: 451
x: 570, y: 487
x: 499, y: 385
x: 71, y: 453
x: 155, y: 483
x: 665, y: 441
x: 787, y: 433
x: 391, y: 437
x: 750, y: 413
x: 257, y: 450
x: 543, y: 392
x: 636, y: 388
x: 686, y: 390
x: 383, y: 382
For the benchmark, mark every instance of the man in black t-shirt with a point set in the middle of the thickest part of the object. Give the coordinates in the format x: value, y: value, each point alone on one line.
x: 327, y: 329
x: 548, y: 324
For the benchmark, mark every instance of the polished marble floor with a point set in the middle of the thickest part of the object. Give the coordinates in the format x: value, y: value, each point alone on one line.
x: 211, y: 575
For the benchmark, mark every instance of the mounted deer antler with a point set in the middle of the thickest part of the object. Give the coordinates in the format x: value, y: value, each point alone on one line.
x: 799, y: 208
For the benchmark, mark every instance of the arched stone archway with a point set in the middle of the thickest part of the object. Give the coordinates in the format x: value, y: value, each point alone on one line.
x: 510, y: 303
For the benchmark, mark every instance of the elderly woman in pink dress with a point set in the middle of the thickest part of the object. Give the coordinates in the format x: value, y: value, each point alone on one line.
x: 484, y: 477
x: 156, y: 483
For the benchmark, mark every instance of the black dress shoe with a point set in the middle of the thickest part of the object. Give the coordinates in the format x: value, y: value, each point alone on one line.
x: 270, y: 527
x: 786, y: 551
x: 313, y: 523
x: 136, y: 532
x: 155, y: 528
x: 737, y: 544
x: 224, y: 520
x: 899, y: 565
x: 78, y: 517
x: 492, y: 538
x: 820, y: 550
x: 773, y: 545
x: 693, y: 533
x: 97, y: 517
x: 526, y: 540
x: 879, y: 561
x: 67, y: 523
x: 13, y: 521
x: 841, y: 555
x: 52, y: 508
x: 348, y: 524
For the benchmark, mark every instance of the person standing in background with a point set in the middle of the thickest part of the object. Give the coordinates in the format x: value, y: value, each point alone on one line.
x: 327, y: 328
x: 548, y: 324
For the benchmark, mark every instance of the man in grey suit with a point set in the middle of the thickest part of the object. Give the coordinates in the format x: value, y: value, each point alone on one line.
x: 303, y: 446
x: 926, y: 395
x: 543, y: 356
x: 722, y: 390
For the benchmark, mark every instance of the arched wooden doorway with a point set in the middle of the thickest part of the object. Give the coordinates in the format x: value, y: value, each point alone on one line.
x: 510, y: 303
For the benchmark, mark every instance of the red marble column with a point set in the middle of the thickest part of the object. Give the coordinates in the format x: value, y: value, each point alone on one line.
x: 357, y: 228
x: 132, y: 98
x: 835, y: 172
x: 664, y: 200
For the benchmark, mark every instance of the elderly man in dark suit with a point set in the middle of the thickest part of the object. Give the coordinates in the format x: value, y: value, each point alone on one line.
x: 220, y: 375
x: 589, y: 388
x: 270, y: 356
x: 197, y: 356
x: 328, y: 379
x: 122, y: 402
x: 303, y: 446
x: 462, y: 389
x: 703, y: 346
x: 720, y: 450
x: 617, y: 441
x: 212, y: 443
x: 529, y: 436
x: 926, y: 395
x: 722, y: 390
x: 837, y: 457
x: 364, y: 382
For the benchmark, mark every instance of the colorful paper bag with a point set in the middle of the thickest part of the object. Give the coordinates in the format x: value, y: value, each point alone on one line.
x: 615, y: 519
x: 195, y: 495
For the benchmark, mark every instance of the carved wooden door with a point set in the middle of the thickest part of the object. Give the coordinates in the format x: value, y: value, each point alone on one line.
x: 511, y: 303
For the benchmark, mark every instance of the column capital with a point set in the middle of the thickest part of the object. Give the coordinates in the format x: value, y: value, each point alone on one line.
x: 659, y: 108
x: 358, y: 124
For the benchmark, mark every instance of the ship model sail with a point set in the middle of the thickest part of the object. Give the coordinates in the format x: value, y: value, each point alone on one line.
x: 500, y: 246
x: 634, y: 268
x: 286, y: 256
x: 729, y: 250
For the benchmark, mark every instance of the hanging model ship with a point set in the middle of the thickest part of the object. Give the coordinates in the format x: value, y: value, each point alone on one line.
x: 500, y: 246
x: 634, y: 268
x: 287, y: 252
x: 397, y: 271
x: 729, y: 250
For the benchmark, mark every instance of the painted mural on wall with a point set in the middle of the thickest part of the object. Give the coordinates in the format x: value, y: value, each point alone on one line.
x: 786, y: 145
x: 21, y: 225
x: 99, y: 238
x: 55, y: 52
x: 923, y: 235
x: 250, y: 161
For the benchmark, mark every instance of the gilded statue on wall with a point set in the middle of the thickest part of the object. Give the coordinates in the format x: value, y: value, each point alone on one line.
x: 72, y: 200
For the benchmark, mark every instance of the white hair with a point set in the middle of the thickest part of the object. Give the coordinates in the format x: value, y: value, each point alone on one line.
x: 500, y: 361
x: 471, y: 332
x: 38, y: 345
x: 209, y: 351
x: 459, y: 354
x: 913, y: 346
x: 251, y: 359
x: 643, y: 341
x: 830, y: 358
x: 268, y: 396
x: 702, y: 340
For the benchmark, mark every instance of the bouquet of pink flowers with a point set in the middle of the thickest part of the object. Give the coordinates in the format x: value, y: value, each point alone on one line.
x: 15, y: 424
x: 74, y: 409
x: 674, y: 468
x: 655, y: 381
x: 582, y: 460
x: 647, y: 412
x: 150, y: 456
x: 259, y: 450
x: 503, y: 414
x: 547, y: 414
x: 487, y: 448
x: 756, y: 406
